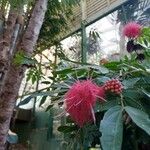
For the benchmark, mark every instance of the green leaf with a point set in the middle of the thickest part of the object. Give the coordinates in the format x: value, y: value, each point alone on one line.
x: 146, y: 93
x: 102, y: 79
x: 33, y: 79
x: 111, y: 128
x: 140, y: 118
x: 146, y: 31
x: 25, y: 101
x: 132, y: 98
x: 90, y: 132
x: 22, y: 59
x: 49, y: 107
x: 69, y: 120
x: 28, y: 61
x: 131, y: 93
x: 46, y: 82
x: 134, y: 103
x: 130, y: 82
x: 35, y: 94
x: 102, y: 69
x: 105, y: 106
x: 64, y: 71
x: 43, y: 100
x: 112, y: 65
x: 67, y: 129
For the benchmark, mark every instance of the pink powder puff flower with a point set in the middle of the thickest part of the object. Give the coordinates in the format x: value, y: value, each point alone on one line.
x: 79, y: 101
x: 132, y: 30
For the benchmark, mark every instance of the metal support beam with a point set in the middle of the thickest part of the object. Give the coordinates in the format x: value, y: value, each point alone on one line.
x: 108, y: 2
x: 83, y: 32
x: 84, y: 43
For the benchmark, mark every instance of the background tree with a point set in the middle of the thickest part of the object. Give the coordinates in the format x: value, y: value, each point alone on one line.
x: 20, y: 24
x: 24, y: 41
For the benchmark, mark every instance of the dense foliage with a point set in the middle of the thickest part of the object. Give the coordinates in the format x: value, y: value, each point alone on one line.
x: 122, y: 119
x: 122, y: 122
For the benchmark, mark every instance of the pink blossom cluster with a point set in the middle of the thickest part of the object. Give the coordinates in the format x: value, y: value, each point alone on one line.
x: 132, y: 30
x: 81, y: 98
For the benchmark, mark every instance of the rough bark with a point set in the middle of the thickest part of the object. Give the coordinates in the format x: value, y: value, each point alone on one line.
x: 7, y: 100
x: 15, y: 74
x: 2, y: 19
x: 5, y: 42
x: 31, y: 35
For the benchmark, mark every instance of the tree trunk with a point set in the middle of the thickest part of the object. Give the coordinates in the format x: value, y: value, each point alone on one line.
x: 15, y: 73
x: 7, y: 100
x: 5, y: 42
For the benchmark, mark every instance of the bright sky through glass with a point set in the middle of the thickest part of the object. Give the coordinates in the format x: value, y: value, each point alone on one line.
x: 109, y: 33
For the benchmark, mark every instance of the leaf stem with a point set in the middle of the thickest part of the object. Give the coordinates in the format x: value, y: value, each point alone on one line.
x: 121, y: 100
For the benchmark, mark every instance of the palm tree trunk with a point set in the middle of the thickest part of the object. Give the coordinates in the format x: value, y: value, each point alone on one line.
x: 15, y: 73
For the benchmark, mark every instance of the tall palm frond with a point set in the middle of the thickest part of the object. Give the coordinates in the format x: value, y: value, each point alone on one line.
x: 143, y: 15
x: 135, y: 10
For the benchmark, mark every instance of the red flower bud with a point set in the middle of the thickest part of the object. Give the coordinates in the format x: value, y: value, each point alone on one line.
x: 114, y: 86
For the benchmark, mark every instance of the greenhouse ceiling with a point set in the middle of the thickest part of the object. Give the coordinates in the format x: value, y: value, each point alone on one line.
x: 90, y: 11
